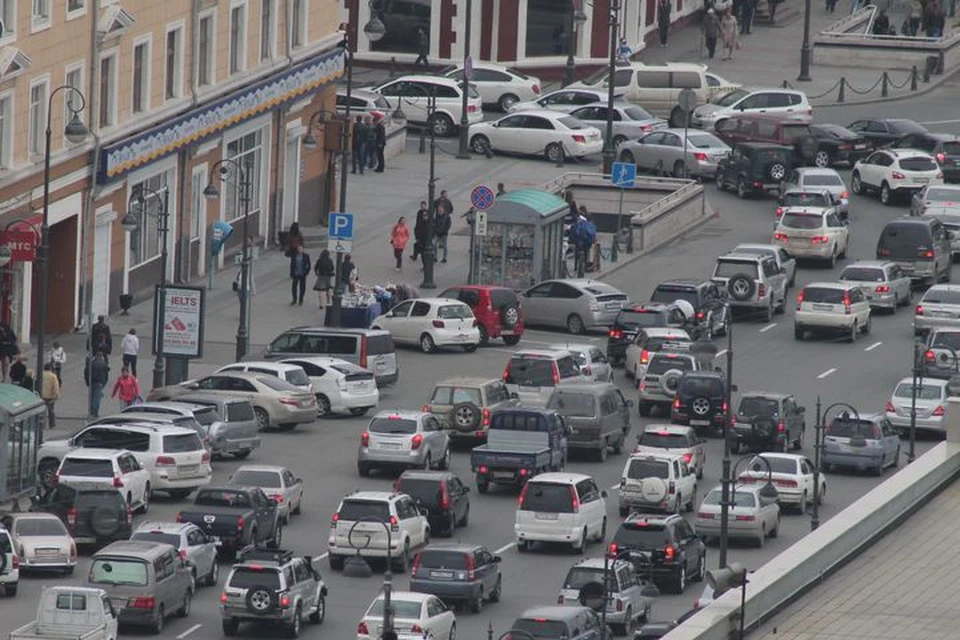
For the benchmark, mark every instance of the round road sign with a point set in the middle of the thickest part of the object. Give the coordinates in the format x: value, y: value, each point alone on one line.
x: 482, y: 197
x: 687, y: 100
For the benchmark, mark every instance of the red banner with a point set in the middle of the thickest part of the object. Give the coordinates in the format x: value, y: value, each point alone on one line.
x: 22, y: 244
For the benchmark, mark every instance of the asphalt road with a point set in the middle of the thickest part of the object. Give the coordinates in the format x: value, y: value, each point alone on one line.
x: 766, y: 356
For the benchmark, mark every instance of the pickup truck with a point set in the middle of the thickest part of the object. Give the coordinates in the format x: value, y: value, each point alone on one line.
x: 236, y: 516
x: 71, y: 613
x: 520, y: 444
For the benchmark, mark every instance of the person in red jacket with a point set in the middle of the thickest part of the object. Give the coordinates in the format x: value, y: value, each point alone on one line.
x: 127, y: 387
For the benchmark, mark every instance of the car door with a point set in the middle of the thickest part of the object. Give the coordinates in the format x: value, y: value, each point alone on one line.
x: 410, y: 521
x: 838, y: 231
x: 860, y: 305
x: 591, y: 507
x: 201, y: 551
x: 687, y: 541
x: 459, y: 493
x: 899, y: 282
x: 536, y: 135
x: 503, y: 135
x: 134, y: 476
x: 806, y: 477
x: 417, y: 322
x: 537, y: 303
x: 623, y: 411
x: 435, y: 436
x: 590, y: 116
x: 292, y: 488
x: 396, y: 321
x: 558, y: 100
x: 265, y: 513
x: 794, y: 415
x: 439, y: 619
x: 891, y: 440
x: 305, y: 587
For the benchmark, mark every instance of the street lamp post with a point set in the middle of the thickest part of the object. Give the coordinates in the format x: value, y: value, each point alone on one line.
x: 609, y: 152
x: 464, y: 151
x: 613, y: 553
x: 819, y: 429
x: 226, y: 169
x: 805, y: 49
x: 75, y: 132
x: 728, y: 498
x: 131, y: 222
x: 357, y: 567
x: 576, y: 18
x: 917, y: 381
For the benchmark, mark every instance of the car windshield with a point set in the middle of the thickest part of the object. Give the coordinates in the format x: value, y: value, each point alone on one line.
x: 435, y: 559
x: 822, y: 180
x: 455, y: 312
x: 801, y: 221
x: 577, y: 405
x: 662, y: 440
x: 637, y: 113
x: 639, y: 319
x: 693, y: 387
x: 941, y: 296
x: 252, y: 478
x: 428, y: 491
x: 904, y: 241
x: 924, y: 392
x: 949, y: 339
x: 578, y: 577
x: 118, y: 571
x: 805, y: 199
x: 86, y: 468
x: 662, y: 363
x: 672, y: 294
x: 247, y: 577
x: 393, y: 424
x: 541, y: 628
x: 730, y: 268
x: 740, y: 498
x: 640, y: 468
x: 942, y: 195
x: 547, y: 497
x: 825, y: 295
x: 39, y: 527
x: 352, y: 510
x: 731, y: 98
x: 403, y: 609
x: 639, y: 535
x: 530, y: 372
x: 851, y: 427
x: 156, y: 536
x: 705, y: 141
x: 757, y: 406
x: 455, y: 395
x: 777, y: 465
x: 182, y: 443
x: 918, y: 163
x: 222, y: 498
x: 863, y: 274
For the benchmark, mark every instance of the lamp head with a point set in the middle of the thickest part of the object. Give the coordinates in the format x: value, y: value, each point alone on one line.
x: 375, y: 29
x: 75, y: 131
x: 5, y: 255
x: 211, y: 192
x: 398, y: 115
x: 130, y: 222
x: 769, y: 492
x: 579, y: 16
x: 308, y: 142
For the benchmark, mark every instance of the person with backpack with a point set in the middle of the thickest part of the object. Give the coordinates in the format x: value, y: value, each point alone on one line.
x: 583, y: 234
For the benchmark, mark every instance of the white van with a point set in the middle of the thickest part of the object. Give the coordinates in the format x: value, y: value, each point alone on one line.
x: 561, y: 507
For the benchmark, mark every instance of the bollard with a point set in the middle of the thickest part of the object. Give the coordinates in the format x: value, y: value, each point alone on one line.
x: 785, y: 84
x: 884, y: 89
x: 393, y: 66
x: 490, y: 630
x: 913, y: 78
x: 561, y: 157
x: 842, y: 96
x: 423, y: 139
x: 614, y: 248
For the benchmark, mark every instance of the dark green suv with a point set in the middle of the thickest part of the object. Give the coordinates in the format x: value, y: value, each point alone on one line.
x: 754, y: 167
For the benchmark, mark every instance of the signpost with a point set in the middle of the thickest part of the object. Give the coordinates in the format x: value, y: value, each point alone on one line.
x: 339, y: 241
x: 624, y: 176
x: 482, y: 198
x: 687, y: 100
x: 219, y: 233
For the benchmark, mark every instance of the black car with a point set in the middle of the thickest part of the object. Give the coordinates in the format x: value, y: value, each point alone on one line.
x: 767, y: 421
x: 701, y: 401
x: 754, y: 167
x: 707, y: 300
x: 441, y: 493
x: 634, y: 317
x: 945, y: 147
x: 837, y: 144
x: 238, y: 516
x: 92, y: 516
x: 882, y: 131
x: 663, y: 547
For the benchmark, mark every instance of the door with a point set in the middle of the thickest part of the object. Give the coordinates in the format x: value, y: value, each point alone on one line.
x: 486, y: 569
x: 504, y: 136
x: 688, y: 546
x: 417, y: 322
x: 134, y: 477
x: 410, y: 521
x: 291, y: 182
x: 891, y: 440
x: 435, y: 436
x: 293, y: 490
x: 265, y: 510
x: 837, y: 231
x: 396, y: 320
x: 536, y: 303
x: 439, y: 619
x: 592, y: 507
x: 102, y: 245
x: 651, y: 150
x: 201, y: 552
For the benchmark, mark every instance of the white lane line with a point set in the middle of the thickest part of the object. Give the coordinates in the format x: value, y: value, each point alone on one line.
x: 939, y: 122
x: 768, y: 327
x: 721, y: 352
x: 826, y: 373
x: 873, y: 346
x: 323, y: 556
x: 189, y: 631
x: 505, y: 547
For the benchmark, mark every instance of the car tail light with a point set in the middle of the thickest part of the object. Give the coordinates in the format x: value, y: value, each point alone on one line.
x: 705, y: 516
x: 416, y: 441
x: 118, y: 482
x: 642, y: 386
x: 646, y: 128
x: 896, y: 175
x: 416, y: 566
x: 334, y: 520
x: 365, y: 439
x: 556, y: 374
x: 579, y: 138
x: 438, y: 324
x: 723, y: 407
x: 471, y: 567
x: 15, y: 562
x: 485, y: 417
x: 780, y: 237
x: 241, y: 524
x: 785, y: 483
x: 782, y: 428
x: 733, y: 418
x: 179, y: 517
x: 524, y: 473
x: 757, y: 185
x: 506, y: 372
x: 927, y: 253
x: 444, y: 496
x: 394, y: 524
x: 290, y: 402
x: 129, y: 514
x: 471, y: 108
x: 941, y: 157
x: 616, y: 334
x: 889, y: 407
x: 619, y: 605
x: 560, y: 599
x: 165, y: 461
x: 141, y: 602
x: 644, y: 357
x: 362, y: 629
x: 940, y: 176
x: 919, y: 309
x: 587, y: 371
x: 284, y: 601
x: 183, y: 554
x: 846, y: 305
x: 483, y: 470
x: 425, y: 408
x: 701, y: 315
x: 363, y: 352
x: 883, y: 288
x: 762, y: 290
x: 574, y: 499
x: 56, y: 478
x: 416, y: 629
x: 278, y: 499
x: 73, y: 549
x: 687, y: 457
x: 845, y: 147
x: 930, y: 356
x: 939, y: 411
x: 819, y: 240
x: 676, y: 403
x: 523, y: 494
x: 613, y: 549
x: 669, y: 553
x: 700, y: 156
x: 223, y: 598
x: 536, y: 89
x: 745, y: 518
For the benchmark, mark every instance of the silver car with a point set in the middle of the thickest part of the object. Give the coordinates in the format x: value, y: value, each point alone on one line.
x: 663, y: 152
x: 197, y: 548
x: 784, y: 260
x: 235, y: 430
x: 592, y: 360
x: 936, y: 199
x: 627, y: 605
x: 578, y: 305
x: 629, y: 120
x: 931, y: 405
x: 939, y: 307
x: 950, y: 219
x: 565, y: 100
x: 883, y: 283
x: 42, y: 541
x: 405, y: 440
x: 941, y: 357
x: 752, y: 516
x: 278, y: 483
x: 814, y: 178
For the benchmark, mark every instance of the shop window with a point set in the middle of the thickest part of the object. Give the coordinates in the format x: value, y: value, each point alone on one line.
x: 403, y: 19
x: 145, y: 239
x: 548, y: 24
x: 247, y: 151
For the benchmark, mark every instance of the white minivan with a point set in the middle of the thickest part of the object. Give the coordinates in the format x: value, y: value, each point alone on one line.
x: 561, y: 507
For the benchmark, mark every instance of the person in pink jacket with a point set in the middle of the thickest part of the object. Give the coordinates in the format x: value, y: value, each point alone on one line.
x: 399, y: 237
x: 127, y: 387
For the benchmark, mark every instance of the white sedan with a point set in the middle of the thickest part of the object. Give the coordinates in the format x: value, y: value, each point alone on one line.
x: 792, y: 475
x: 418, y: 615
x: 751, y: 516
x: 431, y: 323
x: 340, y: 386
x: 278, y: 483
x: 498, y: 84
x: 541, y: 132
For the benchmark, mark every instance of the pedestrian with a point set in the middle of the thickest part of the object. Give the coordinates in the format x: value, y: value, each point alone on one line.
x: 583, y: 234
x: 423, y: 47
x: 299, y: 270
x: 747, y: 10
x: 101, y: 339
x: 399, y: 237
x: 421, y: 231
x: 324, y: 270
x: 50, y: 392
x: 29, y: 381
x: 664, y: 8
x: 881, y: 24
x: 501, y: 190
x: 8, y: 349
x: 728, y: 32
x: 348, y: 274
x: 370, y: 141
x: 914, y: 15
x: 934, y: 20
x: 96, y: 373
x: 130, y: 349
x: 623, y: 52
x: 711, y: 31
x: 127, y: 388
x: 358, y: 141
x: 57, y: 358
x: 380, y: 144
x: 831, y: 6
x: 442, y: 223
x: 572, y: 213
x: 294, y: 240
x: 18, y: 370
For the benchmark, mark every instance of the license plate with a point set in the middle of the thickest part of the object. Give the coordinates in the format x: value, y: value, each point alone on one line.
x: 823, y: 307
x: 503, y: 474
x: 699, y: 423
x: 546, y: 516
x: 188, y: 469
x: 390, y: 445
x: 860, y: 146
x: 461, y: 337
x: 921, y: 180
x: 613, y: 305
x: 47, y: 552
x: 444, y: 575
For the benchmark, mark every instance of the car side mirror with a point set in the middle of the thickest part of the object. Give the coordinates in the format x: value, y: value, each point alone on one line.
x: 718, y: 369
x: 514, y: 395
x: 298, y: 480
x: 629, y: 403
x: 466, y: 489
x: 497, y: 559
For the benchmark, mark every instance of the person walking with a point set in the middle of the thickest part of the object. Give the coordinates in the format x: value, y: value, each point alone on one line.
x: 294, y: 239
x: 50, y: 392
x: 57, y: 358
x: 127, y: 388
x: 881, y: 24
x: 748, y: 9
x: 348, y: 274
x: 130, y: 349
x: 18, y: 370
x: 664, y: 8
x: 711, y: 31
x: 358, y: 142
x: 831, y: 6
x: 380, y: 144
x: 399, y: 237
x: 728, y: 32
x: 101, y: 339
x: 299, y: 270
x: 324, y: 270
x: 96, y: 374
x: 423, y: 47
x: 420, y: 231
x: 8, y: 349
x: 442, y: 206
x: 934, y: 20
x: 914, y: 14
x: 369, y: 142
x: 441, y: 229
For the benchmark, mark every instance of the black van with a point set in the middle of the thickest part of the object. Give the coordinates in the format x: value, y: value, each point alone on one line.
x: 371, y: 349
x: 920, y: 246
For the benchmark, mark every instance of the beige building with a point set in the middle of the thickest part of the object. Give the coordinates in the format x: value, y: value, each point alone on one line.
x: 168, y: 88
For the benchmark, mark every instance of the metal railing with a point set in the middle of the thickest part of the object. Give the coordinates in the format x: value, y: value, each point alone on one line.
x: 848, y: 24
x: 594, y: 179
x: 885, y: 82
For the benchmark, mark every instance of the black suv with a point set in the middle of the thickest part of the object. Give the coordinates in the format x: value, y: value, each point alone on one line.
x: 701, y: 400
x: 767, y: 421
x: 634, y: 317
x: 441, y: 493
x: 754, y: 167
x: 92, y: 516
x: 703, y: 295
x: 663, y: 547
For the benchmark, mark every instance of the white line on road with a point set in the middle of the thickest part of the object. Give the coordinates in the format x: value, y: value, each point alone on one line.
x: 189, y: 631
x: 873, y: 346
x: 323, y: 556
x: 505, y: 547
x: 768, y: 327
x: 939, y: 122
x: 721, y: 352
x: 826, y: 373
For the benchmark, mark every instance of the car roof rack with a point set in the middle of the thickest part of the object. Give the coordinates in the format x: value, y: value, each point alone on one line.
x: 280, y: 556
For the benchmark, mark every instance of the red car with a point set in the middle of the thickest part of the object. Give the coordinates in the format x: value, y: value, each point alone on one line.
x: 497, y: 309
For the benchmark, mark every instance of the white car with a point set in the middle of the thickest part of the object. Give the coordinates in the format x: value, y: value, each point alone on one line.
x: 107, y: 469
x: 409, y: 528
x: 895, y: 172
x: 498, y: 84
x: 537, y: 133
x: 564, y: 100
x: 791, y: 474
x: 412, y: 93
x: 883, y: 282
x: 674, y: 439
x: 431, y: 323
x: 820, y: 179
x: 415, y: 615
x: 362, y: 102
x: 10, y: 571
x: 278, y: 483
x: 592, y: 360
x: 839, y: 307
x: 657, y: 481
x: 291, y: 373
x: 567, y: 508
x: 630, y: 121
x: 340, y: 386
x: 776, y: 101
x: 752, y: 516
x: 42, y: 540
x: 931, y: 402
x: 648, y: 342
x: 812, y: 232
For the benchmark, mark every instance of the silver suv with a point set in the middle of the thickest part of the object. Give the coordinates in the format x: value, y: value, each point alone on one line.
x: 754, y: 281
x: 273, y: 585
x: 661, y: 379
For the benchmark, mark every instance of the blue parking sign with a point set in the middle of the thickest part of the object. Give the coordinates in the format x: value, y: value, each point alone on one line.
x: 623, y: 174
x: 340, y: 226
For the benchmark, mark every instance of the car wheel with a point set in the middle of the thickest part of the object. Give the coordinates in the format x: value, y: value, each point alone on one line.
x: 263, y: 418
x: 511, y: 340
x: 293, y: 627
x: 866, y: 327
x: 701, y: 569
x: 323, y: 405
x: 602, y: 451
x: 477, y: 603
x: 445, y: 460
x: 777, y: 171
x: 627, y: 156
x: 470, y: 348
x: 318, y: 614
x: 776, y: 528
x: 336, y: 562
x: 480, y: 144
x: 363, y: 470
x: 575, y: 324
x: 768, y: 313
x: 359, y: 411
x: 242, y: 455
x: 832, y: 260
x: 581, y: 544
x: 441, y: 124
x: 426, y: 343
x: 763, y: 536
x: 680, y: 582
x: 853, y: 332
x: 741, y: 188
x: 484, y: 336
x: 718, y: 181
x: 602, y: 534
x: 886, y: 196
x: 214, y: 576
x: 156, y: 628
x: 453, y: 632
x: 896, y: 459
x: 483, y: 486
x: 401, y: 563
x: 523, y: 546
x: 741, y: 286
x: 856, y: 184
x: 497, y: 590
x: 618, y: 140
x: 506, y: 102
x: 428, y: 462
x: 277, y: 541
x: 145, y: 501
x: 643, y: 409
x: 680, y: 170
x: 554, y: 152
x: 821, y: 159
x: 184, y: 609
x: 230, y: 627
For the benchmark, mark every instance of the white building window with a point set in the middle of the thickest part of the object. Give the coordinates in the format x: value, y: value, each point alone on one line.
x: 173, y: 61
x: 141, y: 76
x: 206, y: 49
x: 268, y: 29
x: 238, y: 38
x: 298, y: 23
x: 145, y: 239
x: 71, y: 101
x: 6, y: 130
x: 108, y: 90
x: 8, y: 13
x: 76, y: 8
x: 247, y: 151
x: 38, y: 116
x: 40, y: 14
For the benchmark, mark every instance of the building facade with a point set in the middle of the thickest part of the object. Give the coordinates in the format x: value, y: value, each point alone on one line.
x: 168, y: 89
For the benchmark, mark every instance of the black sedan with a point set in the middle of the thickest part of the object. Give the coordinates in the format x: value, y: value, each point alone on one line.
x: 882, y: 131
x: 836, y: 144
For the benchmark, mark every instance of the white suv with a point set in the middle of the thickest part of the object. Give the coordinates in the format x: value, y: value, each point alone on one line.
x: 892, y: 172
x: 106, y: 469
x: 369, y: 511
x: 674, y: 439
x: 832, y: 306
x: 781, y: 102
x: 663, y: 482
x: 568, y: 508
x: 412, y: 93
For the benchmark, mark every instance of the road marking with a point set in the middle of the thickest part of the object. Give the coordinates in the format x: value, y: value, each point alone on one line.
x: 505, y: 547
x: 189, y: 631
x: 768, y: 327
x: 323, y: 556
x: 826, y: 373
x: 873, y: 346
x: 721, y: 352
x: 939, y: 122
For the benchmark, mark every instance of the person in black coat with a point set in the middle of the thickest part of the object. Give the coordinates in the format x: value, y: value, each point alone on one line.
x: 324, y: 270
x: 359, y: 141
x: 299, y: 270
x: 421, y: 231
x: 441, y: 226
x: 380, y: 144
x: 8, y: 349
x: 101, y: 338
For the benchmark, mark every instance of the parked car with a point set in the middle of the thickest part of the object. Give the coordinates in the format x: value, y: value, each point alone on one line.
x: 835, y: 307
x: 70, y: 612
x: 788, y: 102
x: 791, y: 474
x: 938, y: 308
x: 754, y: 167
x: 182, y: 414
x: 895, y: 173
x: 751, y: 515
x: 498, y: 85
x: 431, y: 323
x: 882, y: 282
x: 521, y: 444
x: 290, y: 373
x: 107, y: 468
x: 674, y: 439
x: 562, y: 100
x: 658, y: 482
x: 441, y: 493
x: 663, y: 547
x: 838, y: 144
x: 576, y: 506
x: 663, y: 151
x: 929, y: 400
x: 629, y: 120
x: 767, y: 421
x: 405, y: 440
x: 235, y: 431
x: 277, y: 483
x: 865, y: 442
x: 462, y: 573
x: 367, y: 348
x: 813, y: 233
x: 340, y: 386
x: 413, y: 93
x: 882, y: 131
x: 578, y: 305
x: 627, y: 605
x: 92, y: 516
x: 496, y: 309
x: 362, y: 102
x: 41, y: 541
x: 921, y: 247
x: 236, y: 516
x: 465, y: 404
x: 353, y: 514
x: 414, y: 615
x: 196, y: 548
x: 540, y: 132
x: 598, y: 416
